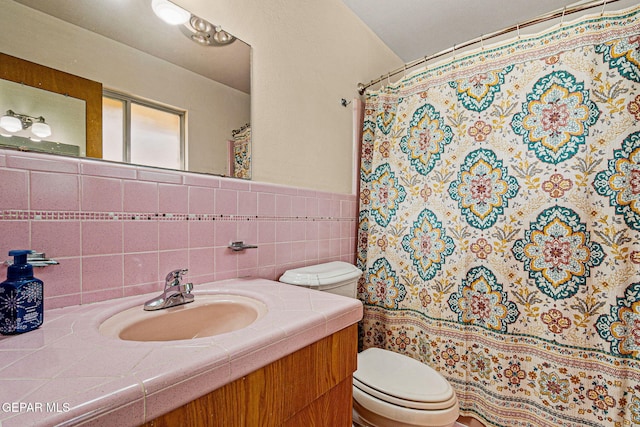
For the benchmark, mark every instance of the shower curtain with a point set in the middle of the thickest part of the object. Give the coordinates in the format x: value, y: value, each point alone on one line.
x: 499, y: 227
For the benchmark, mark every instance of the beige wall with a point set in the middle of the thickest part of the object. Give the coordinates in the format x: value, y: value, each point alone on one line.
x: 307, y: 55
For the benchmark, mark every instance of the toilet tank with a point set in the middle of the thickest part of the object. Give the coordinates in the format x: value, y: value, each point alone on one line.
x: 336, y: 277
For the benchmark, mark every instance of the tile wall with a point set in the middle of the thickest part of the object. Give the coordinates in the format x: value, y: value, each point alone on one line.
x: 117, y: 230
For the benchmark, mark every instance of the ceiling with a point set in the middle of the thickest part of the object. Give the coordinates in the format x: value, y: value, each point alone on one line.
x: 417, y: 28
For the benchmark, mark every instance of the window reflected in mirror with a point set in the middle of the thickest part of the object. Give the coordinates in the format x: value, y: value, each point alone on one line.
x: 113, y: 129
x: 142, y: 133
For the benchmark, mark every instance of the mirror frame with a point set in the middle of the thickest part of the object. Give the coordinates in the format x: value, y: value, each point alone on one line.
x: 40, y: 77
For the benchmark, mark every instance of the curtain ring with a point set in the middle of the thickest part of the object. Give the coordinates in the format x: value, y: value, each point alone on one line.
x: 564, y: 9
x: 603, y: 6
x: 482, y: 41
x: 454, y: 51
x: 388, y: 79
x: 518, y: 30
x: 405, y: 70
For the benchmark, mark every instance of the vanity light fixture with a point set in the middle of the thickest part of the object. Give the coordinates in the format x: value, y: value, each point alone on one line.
x: 197, y: 29
x: 169, y: 12
x: 14, y: 122
x: 205, y: 33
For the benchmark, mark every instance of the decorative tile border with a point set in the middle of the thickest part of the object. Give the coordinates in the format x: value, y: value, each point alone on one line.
x: 29, y: 215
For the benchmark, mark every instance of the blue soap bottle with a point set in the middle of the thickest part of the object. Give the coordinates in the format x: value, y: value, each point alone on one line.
x: 21, y: 297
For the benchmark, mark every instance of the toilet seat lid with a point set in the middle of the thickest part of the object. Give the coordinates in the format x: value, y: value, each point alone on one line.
x: 401, y: 380
x: 314, y: 276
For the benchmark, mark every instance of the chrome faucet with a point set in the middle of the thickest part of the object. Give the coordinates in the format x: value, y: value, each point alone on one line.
x: 175, y: 292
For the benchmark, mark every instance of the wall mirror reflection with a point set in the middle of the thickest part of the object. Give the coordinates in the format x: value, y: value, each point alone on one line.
x: 181, y: 90
x: 22, y: 130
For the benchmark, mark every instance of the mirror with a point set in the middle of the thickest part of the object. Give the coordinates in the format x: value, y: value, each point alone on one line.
x: 35, y: 90
x: 68, y: 112
x: 127, y: 49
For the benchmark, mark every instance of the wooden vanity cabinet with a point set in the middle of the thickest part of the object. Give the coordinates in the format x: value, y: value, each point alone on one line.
x: 311, y: 387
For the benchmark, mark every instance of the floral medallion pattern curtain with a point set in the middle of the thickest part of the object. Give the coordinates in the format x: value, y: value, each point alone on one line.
x: 499, y: 229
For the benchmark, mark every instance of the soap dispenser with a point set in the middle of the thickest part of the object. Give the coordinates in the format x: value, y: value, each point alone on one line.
x: 21, y: 297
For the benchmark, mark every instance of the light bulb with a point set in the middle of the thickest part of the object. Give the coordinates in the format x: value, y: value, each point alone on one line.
x: 41, y: 129
x: 170, y: 13
x: 222, y: 36
x: 201, y: 38
x: 200, y: 25
x: 10, y: 123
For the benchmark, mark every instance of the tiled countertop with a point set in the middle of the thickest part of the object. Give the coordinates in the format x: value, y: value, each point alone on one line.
x: 67, y: 373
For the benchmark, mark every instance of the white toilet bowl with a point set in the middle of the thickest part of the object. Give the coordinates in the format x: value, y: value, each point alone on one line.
x: 389, y: 389
x: 394, y: 390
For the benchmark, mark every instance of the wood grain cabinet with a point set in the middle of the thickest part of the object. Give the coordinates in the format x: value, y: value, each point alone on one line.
x: 311, y: 387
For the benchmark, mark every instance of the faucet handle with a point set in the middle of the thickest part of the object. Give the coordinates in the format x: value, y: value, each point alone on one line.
x: 173, y: 278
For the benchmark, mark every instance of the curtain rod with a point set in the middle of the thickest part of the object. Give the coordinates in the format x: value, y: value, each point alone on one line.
x: 560, y: 13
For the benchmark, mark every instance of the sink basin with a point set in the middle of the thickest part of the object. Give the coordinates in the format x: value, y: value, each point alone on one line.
x: 208, y: 315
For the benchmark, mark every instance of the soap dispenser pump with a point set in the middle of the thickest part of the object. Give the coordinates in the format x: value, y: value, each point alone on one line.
x: 21, y: 297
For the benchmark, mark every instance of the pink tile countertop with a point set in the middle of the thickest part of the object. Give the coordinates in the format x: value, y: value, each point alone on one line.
x: 67, y: 373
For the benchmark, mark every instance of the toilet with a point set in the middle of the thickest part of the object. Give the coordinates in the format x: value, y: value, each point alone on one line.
x: 389, y: 389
